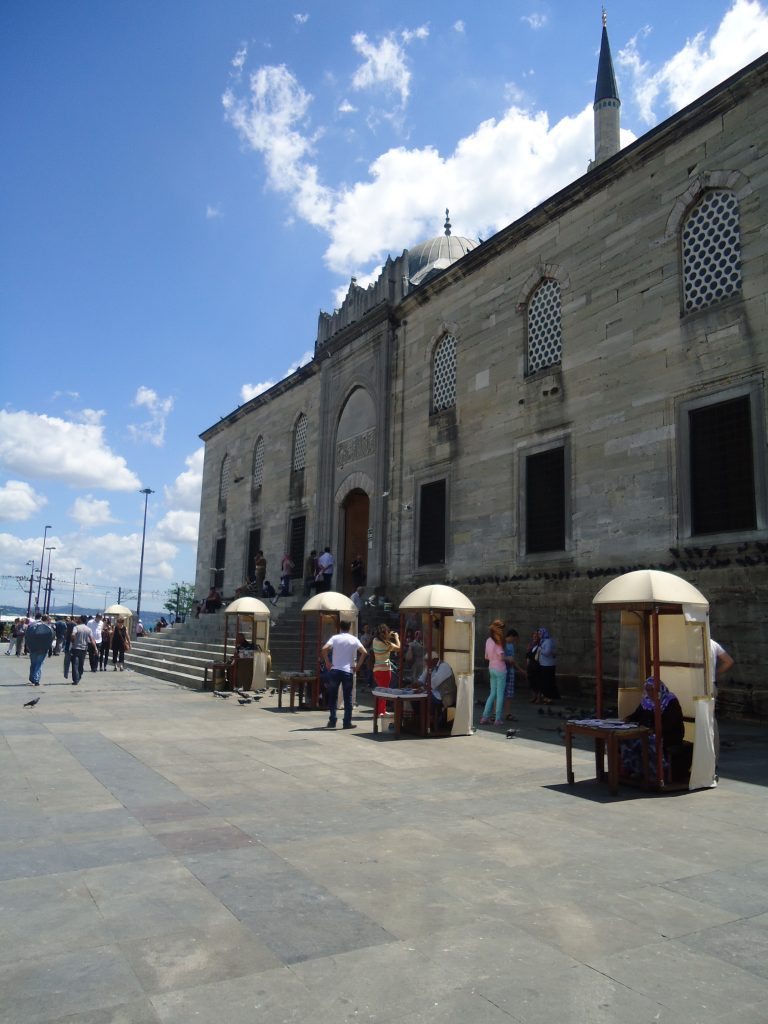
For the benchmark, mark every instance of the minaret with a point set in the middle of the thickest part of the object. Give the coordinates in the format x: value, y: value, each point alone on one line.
x: 607, y: 103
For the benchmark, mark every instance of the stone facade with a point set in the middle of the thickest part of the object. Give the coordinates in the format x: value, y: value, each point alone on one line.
x: 530, y: 489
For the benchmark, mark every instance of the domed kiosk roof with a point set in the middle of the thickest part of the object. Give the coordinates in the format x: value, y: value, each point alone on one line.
x: 430, y: 257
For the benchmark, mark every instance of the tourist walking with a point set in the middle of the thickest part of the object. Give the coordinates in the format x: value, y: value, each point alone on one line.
x: 344, y: 655
x: 497, y: 671
x: 325, y: 567
x: 106, y: 645
x: 384, y: 643
x: 39, y: 637
x: 81, y: 642
x: 121, y: 643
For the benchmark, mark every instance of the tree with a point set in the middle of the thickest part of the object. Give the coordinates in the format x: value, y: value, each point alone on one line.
x: 180, y: 599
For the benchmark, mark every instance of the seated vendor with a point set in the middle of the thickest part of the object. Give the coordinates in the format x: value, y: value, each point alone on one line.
x: 243, y: 646
x: 672, y: 730
x: 443, y: 687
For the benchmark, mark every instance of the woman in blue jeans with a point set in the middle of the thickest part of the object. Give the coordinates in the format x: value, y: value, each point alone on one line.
x: 497, y: 670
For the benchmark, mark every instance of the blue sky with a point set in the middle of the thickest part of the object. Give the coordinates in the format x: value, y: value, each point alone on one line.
x: 186, y: 183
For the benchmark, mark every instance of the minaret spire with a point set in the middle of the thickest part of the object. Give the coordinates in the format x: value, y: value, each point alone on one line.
x: 607, y: 102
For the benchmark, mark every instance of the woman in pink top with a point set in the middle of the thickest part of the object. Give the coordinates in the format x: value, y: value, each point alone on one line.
x: 497, y: 668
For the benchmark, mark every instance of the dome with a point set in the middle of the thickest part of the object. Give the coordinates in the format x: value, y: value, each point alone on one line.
x: 430, y: 257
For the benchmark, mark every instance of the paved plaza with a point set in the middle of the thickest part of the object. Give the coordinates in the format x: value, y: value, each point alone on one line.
x: 167, y: 856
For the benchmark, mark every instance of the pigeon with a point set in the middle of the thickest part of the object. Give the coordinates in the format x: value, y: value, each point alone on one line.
x: 218, y: 693
x: 31, y: 703
x: 511, y: 733
x: 242, y: 700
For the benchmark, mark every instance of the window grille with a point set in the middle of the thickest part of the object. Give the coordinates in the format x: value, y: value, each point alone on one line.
x: 300, y: 444
x: 258, y: 464
x: 544, y: 326
x: 224, y: 481
x: 711, y: 250
x: 444, y: 378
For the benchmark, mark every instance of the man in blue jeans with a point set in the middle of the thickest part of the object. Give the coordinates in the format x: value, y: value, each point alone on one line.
x: 39, y: 637
x: 344, y: 655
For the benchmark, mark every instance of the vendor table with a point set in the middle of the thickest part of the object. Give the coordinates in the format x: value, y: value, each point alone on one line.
x: 608, y: 734
x: 300, y: 684
x: 398, y: 698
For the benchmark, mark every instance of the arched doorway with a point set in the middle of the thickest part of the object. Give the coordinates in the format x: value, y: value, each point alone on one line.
x: 356, y: 510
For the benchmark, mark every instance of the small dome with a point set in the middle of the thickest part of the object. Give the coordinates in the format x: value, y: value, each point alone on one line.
x: 430, y: 257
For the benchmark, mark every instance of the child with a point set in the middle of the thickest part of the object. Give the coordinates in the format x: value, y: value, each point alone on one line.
x: 510, y: 654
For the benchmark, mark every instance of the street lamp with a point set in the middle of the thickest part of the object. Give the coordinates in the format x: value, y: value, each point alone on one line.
x: 146, y: 491
x: 31, y: 583
x: 42, y: 559
x: 74, y: 582
x: 48, y: 584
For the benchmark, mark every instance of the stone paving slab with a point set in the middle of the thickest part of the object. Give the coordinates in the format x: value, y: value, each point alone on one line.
x: 167, y: 857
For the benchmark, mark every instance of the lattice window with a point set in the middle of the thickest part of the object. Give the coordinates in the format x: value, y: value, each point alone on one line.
x: 224, y: 481
x: 300, y: 443
x: 444, y: 375
x: 711, y: 250
x: 257, y: 477
x: 545, y: 343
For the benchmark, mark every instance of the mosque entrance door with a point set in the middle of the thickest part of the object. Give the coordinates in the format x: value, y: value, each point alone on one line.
x: 356, y: 508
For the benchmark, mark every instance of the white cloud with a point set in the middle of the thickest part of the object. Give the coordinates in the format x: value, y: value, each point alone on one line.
x: 158, y: 410
x: 211, y: 212
x: 50, y: 448
x: 238, y: 61
x: 535, y: 21
x: 113, y: 556
x: 741, y: 37
x: 501, y: 170
x: 179, y: 526
x: 384, y: 63
x: 249, y: 391
x: 89, y: 511
x: 345, y: 107
x: 19, y: 501
x: 184, y: 492
x: 458, y: 26
x: 301, y: 19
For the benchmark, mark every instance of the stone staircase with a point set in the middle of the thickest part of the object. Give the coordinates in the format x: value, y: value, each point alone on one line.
x: 181, y: 653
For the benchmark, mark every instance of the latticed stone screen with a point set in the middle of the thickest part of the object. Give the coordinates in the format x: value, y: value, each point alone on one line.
x: 711, y: 250
x: 444, y: 380
x: 300, y: 444
x: 258, y: 464
x: 224, y: 480
x: 545, y: 342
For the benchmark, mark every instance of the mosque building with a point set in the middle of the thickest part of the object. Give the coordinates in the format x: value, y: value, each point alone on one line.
x: 525, y: 417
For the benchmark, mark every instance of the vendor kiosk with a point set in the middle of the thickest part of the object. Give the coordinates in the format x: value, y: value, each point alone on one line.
x: 663, y: 633
x: 447, y: 622
x: 325, y: 610
x: 247, y: 663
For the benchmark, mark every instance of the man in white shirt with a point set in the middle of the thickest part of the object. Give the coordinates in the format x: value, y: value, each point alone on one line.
x: 95, y: 624
x: 344, y: 655
x: 442, y: 681
x: 356, y: 597
x: 325, y: 566
x: 80, y: 642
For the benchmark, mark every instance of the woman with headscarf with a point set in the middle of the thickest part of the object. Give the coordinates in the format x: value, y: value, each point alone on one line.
x: 384, y: 643
x: 547, y: 660
x: 497, y: 671
x: 672, y: 729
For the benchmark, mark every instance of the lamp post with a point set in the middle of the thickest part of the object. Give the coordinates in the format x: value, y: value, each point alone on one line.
x: 146, y: 491
x: 42, y: 559
x: 48, y: 583
x: 74, y: 582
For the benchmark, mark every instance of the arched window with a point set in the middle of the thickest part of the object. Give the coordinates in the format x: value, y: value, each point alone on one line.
x: 257, y: 475
x: 545, y: 339
x: 444, y: 374
x: 711, y: 242
x: 300, y: 443
x: 224, y: 482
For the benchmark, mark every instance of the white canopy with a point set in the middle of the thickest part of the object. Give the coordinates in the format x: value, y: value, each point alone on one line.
x: 248, y: 606
x: 118, y: 609
x: 436, y: 597
x: 330, y: 601
x: 647, y: 587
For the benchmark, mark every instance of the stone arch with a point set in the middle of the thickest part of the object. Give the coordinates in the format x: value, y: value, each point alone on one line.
x: 734, y: 180
x: 553, y: 271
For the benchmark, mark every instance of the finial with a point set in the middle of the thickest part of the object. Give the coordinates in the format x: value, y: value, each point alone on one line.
x: 447, y: 224
x: 605, y: 17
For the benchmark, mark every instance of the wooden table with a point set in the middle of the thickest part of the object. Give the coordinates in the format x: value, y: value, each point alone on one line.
x: 608, y: 734
x: 297, y: 682
x: 398, y: 698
